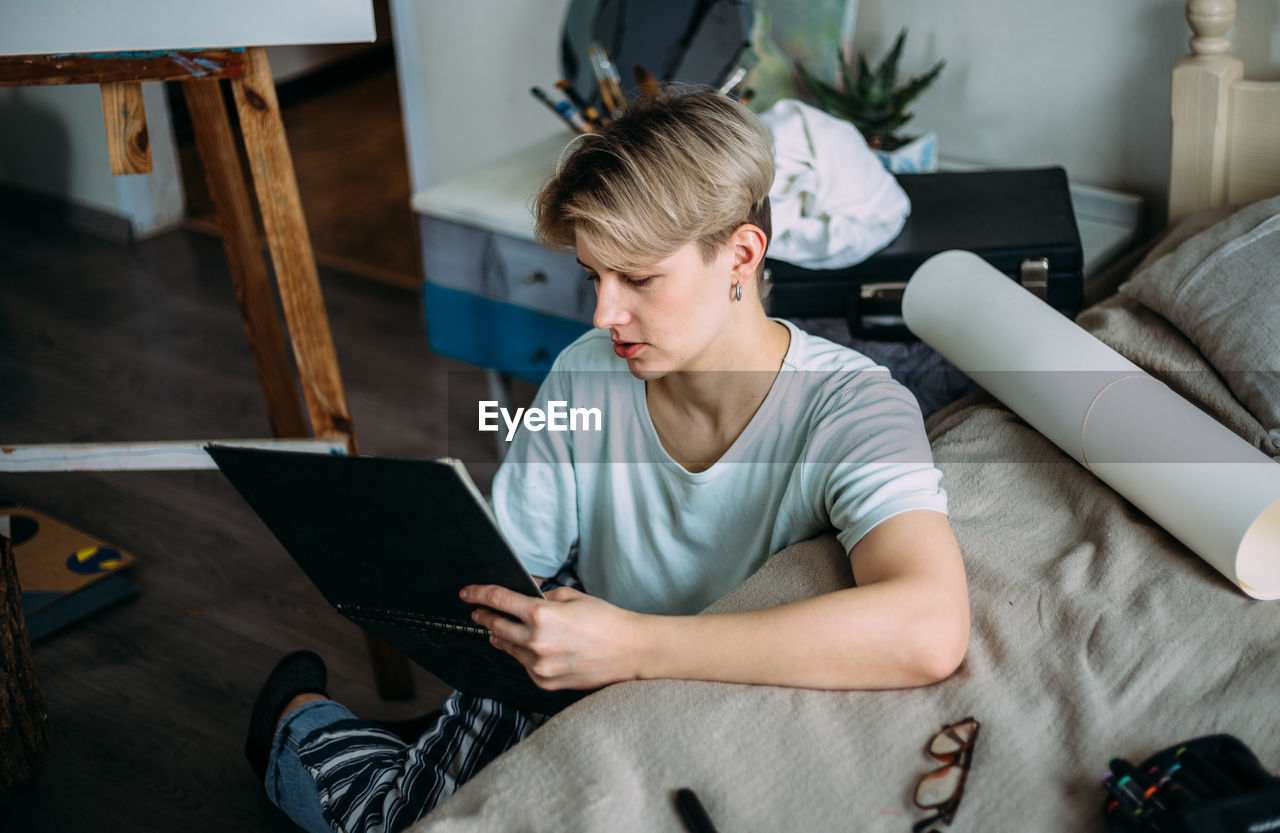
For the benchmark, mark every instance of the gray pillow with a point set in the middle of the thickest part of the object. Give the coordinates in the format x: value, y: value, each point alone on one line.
x: 1221, y: 288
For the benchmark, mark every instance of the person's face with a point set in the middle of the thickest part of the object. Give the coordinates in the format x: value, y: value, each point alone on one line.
x: 668, y: 316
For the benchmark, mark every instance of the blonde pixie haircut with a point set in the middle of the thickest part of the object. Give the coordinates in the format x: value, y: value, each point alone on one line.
x: 677, y: 169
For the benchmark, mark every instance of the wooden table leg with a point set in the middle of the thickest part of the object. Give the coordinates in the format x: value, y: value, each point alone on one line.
x: 271, y: 165
x: 222, y: 171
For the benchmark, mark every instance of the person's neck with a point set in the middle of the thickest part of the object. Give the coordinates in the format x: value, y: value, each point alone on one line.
x: 737, y: 378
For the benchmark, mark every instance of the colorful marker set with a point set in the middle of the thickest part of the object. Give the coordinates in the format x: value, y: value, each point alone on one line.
x: 1215, y: 780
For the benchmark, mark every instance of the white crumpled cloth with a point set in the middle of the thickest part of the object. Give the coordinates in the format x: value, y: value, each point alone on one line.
x: 834, y: 204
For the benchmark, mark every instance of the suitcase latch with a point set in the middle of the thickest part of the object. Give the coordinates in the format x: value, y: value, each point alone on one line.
x: 1035, y: 276
x: 886, y: 291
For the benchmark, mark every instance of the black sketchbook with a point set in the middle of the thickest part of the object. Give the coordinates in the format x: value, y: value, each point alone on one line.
x: 389, y: 543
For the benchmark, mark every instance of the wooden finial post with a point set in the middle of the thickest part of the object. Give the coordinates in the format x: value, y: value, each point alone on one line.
x: 24, y: 724
x: 1210, y: 20
x: 1201, y: 101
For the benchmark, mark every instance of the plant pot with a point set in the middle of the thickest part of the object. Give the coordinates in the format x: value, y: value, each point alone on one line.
x: 919, y: 156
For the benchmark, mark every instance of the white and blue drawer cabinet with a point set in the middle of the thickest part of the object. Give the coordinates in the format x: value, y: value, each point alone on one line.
x: 499, y: 302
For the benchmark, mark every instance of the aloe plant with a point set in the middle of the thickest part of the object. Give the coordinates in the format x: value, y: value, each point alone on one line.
x: 873, y: 101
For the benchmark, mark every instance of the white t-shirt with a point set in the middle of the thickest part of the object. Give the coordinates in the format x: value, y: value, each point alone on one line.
x: 836, y: 443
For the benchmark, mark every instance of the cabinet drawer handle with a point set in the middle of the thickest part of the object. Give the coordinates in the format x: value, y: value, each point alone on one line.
x: 538, y: 276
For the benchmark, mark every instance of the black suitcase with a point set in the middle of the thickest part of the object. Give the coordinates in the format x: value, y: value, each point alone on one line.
x: 1018, y: 220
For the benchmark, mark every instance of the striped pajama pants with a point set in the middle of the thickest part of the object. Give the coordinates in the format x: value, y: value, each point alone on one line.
x: 331, y: 771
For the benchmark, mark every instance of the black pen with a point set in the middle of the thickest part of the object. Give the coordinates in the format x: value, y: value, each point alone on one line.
x: 1125, y: 782
x: 1190, y: 782
x: 1181, y: 798
x: 695, y: 817
x: 1122, y: 816
x: 1120, y: 767
x: 1155, y: 799
x: 1125, y: 770
x: 1218, y: 780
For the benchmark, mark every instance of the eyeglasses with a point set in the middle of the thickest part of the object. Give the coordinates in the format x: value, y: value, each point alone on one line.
x: 941, y: 789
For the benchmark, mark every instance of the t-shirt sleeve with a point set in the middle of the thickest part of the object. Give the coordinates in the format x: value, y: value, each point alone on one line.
x: 534, y: 497
x: 870, y: 458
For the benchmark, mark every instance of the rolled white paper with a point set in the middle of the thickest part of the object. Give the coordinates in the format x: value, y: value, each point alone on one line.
x: 1210, y: 489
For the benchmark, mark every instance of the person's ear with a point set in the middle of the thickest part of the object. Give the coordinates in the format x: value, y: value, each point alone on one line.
x: 748, y: 243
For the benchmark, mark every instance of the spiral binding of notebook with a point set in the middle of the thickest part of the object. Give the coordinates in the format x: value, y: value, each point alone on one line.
x: 405, y: 618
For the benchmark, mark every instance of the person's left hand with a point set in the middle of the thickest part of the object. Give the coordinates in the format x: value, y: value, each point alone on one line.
x: 567, y: 640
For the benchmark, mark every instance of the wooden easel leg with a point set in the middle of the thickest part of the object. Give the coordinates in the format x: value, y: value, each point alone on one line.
x: 222, y: 171
x: 277, y: 188
x: 128, y: 146
x: 295, y: 266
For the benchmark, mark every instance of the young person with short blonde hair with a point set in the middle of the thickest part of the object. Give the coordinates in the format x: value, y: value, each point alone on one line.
x: 728, y: 435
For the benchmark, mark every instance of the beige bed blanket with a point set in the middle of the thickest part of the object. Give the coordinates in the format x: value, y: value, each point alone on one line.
x: 1094, y: 634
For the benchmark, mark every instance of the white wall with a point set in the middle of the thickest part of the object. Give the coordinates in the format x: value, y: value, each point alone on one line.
x: 47, y: 146
x: 1081, y: 83
x: 466, y: 67
x: 294, y: 60
x: 55, y: 26
x: 53, y: 142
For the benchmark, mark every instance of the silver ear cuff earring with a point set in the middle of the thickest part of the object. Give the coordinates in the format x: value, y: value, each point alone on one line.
x: 737, y: 291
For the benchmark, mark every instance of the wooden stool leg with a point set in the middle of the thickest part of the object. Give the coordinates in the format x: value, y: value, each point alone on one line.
x: 26, y: 725
x: 295, y: 266
x: 222, y: 171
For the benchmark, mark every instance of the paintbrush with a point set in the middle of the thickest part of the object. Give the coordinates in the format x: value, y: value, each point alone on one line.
x: 647, y: 82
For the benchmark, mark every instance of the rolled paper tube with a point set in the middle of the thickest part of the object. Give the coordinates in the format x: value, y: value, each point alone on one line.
x: 1210, y: 489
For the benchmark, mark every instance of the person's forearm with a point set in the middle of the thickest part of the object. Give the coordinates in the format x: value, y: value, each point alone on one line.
x: 893, y: 634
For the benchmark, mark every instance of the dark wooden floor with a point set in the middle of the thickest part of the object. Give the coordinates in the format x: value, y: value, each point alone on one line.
x: 148, y: 701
